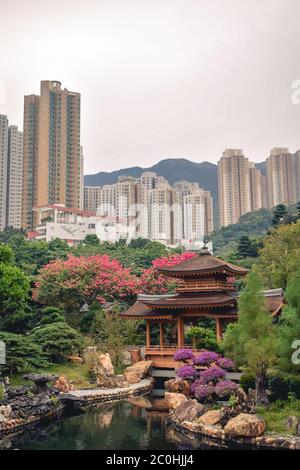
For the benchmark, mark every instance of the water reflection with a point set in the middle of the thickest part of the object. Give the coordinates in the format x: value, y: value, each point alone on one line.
x: 138, y: 423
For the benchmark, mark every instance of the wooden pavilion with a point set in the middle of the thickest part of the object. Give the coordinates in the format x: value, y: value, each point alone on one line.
x: 206, y: 290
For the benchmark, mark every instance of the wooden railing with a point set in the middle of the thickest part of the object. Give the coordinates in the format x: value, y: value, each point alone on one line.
x: 198, y: 286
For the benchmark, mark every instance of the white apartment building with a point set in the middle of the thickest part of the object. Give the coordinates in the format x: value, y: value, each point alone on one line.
x: 161, y: 227
x: 3, y: 168
x: 281, y: 177
x: 14, y: 178
x: 58, y: 221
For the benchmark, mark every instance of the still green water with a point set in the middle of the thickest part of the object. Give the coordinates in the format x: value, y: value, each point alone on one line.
x: 116, y: 426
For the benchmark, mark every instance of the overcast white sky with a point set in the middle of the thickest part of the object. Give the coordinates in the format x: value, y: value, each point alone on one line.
x: 160, y: 78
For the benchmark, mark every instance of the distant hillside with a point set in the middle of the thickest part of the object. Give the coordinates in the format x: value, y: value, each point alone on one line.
x: 173, y: 169
x: 253, y: 224
x: 262, y: 167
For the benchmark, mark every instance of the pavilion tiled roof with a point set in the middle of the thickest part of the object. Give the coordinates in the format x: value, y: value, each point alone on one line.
x: 184, y: 301
x: 204, y: 263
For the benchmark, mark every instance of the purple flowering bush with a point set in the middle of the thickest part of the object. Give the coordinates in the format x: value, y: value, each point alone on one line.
x: 225, y: 363
x: 212, y: 373
x: 225, y: 388
x: 206, y: 371
x: 183, y: 355
x: 187, y: 372
x: 206, y: 358
x: 204, y: 392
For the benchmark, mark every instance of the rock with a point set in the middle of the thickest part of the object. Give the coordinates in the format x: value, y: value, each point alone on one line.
x: 63, y: 384
x: 75, y: 359
x: 178, y: 386
x: 5, y: 411
x: 174, y: 399
x: 138, y: 371
x: 245, y: 425
x: 140, y: 401
x: 105, y: 361
x: 104, y: 379
x: 189, y: 410
x: 210, y: 417
x: 40, y: 381
x: 293, y: 422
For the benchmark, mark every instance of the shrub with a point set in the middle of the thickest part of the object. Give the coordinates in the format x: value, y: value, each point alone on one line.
x: 204, y: 392
x: 22, y: 354
x: 204, y: 338
x: 187, y: 372
x: 58, y: 340
x: 247, y: 381
x: 225, y: 388
x: 225, y: 363
x: 183, y: 355
x: 206, y: 358
x: 212, y: 374
x: 282, y: 385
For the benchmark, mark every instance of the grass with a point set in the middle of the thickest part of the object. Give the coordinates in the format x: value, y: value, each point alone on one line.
x: 77, y: 373
x: 276, y: 415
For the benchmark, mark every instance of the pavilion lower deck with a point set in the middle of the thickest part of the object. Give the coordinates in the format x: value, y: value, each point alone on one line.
x: 162, y: 357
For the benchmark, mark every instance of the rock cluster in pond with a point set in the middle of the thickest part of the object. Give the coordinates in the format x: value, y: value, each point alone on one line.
x: 28, y: 403
x: 189, y: 410
x: 245, y: 425
x: 237, y: 420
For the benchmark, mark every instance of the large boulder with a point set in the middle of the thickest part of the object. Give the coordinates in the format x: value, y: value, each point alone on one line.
x: 138, y: 371
x: 210, y: 417
x: 5, y: 412
x: 245, y: 425
x: 188, y: 410
x: 174, y: 399
x: 105, y: 361
x: 177, y: 386
x: 104, y: 379
x: 63, y: 384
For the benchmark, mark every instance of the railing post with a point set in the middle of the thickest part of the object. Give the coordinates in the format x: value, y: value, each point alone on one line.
x: 148, y: 337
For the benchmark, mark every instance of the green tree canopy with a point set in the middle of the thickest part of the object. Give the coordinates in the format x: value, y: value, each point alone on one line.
x: 289, y: 326
x: 280, y: 255
x: 251, y: 341
x: 14, y: 288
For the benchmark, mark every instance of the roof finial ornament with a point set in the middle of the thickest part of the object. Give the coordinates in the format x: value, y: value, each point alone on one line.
x: 204, y: 250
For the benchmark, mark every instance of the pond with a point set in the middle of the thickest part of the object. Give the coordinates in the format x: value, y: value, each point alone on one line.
x: 119, y: 425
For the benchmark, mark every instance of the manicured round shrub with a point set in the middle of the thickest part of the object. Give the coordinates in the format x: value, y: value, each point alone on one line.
x: 212, y: 374
x: 225, y: 363
x: 204, y: 392
x: 183, y: 355
x: 57, y: 340
x: 225, y: 388
x: 187, y: 372
x: 206, y: 358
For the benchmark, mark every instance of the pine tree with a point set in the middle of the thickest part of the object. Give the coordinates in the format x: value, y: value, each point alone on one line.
x: 279, y: 214
x: 289, y: 327
x: 251, y: 341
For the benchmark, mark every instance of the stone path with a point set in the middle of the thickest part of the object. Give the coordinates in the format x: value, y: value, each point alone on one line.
x: 105, y: 394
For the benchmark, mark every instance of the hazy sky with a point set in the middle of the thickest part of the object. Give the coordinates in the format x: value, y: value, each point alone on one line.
x: 160, y: 78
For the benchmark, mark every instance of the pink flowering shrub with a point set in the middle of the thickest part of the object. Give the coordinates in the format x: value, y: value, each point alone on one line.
x: 68, y: 284
x: 173, y: 260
